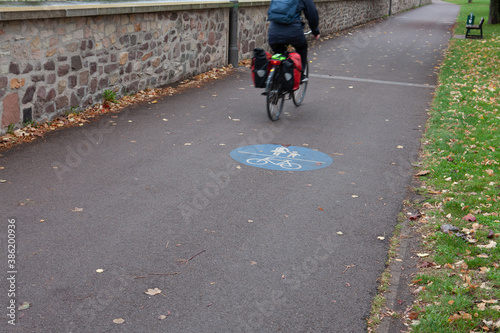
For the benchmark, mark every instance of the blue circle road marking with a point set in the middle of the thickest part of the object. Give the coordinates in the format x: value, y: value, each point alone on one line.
x: 278, y: 157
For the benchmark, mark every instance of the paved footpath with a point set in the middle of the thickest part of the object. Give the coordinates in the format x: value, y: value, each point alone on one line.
x: 155, y: 199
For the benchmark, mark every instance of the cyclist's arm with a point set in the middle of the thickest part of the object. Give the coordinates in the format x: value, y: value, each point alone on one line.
x: 311, y: 14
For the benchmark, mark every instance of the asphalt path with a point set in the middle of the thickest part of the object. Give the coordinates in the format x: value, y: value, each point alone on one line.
x: 152, y: 197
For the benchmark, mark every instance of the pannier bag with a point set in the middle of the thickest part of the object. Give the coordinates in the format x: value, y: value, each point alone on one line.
x: 260, y: 67
x: 291, y: 72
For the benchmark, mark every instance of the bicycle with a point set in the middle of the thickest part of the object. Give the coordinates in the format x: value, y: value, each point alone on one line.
x: 275, y: 94
x: 285, y: 164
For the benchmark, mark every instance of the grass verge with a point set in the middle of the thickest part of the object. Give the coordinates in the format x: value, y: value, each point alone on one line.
x: 457, y: 284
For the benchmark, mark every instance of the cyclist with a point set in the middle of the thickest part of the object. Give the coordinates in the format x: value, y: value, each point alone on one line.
x: 282, y: 35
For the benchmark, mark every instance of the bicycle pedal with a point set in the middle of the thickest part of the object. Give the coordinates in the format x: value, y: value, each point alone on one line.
x: 304, y: 80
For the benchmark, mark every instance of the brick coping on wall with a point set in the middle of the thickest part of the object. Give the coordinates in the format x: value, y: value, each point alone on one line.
x: 29, y: 10
x: 57, y: 9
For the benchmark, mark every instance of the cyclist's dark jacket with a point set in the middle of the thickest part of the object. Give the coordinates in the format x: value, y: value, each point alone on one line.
x: 293, y: 33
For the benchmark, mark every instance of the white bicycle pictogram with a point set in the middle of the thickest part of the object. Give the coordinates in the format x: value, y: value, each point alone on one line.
x: 285, y: 164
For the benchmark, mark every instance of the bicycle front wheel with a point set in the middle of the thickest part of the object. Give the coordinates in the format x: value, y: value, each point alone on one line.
x: 299, y: 94
x: 274, y: 97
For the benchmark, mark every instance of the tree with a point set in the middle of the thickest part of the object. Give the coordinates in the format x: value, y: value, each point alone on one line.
x: 494, y: 17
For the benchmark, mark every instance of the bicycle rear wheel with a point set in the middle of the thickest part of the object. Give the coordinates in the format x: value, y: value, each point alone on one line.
x: 299, y: 94
x: 275, y: 98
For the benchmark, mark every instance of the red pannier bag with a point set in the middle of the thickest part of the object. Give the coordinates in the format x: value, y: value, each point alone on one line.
x: 297, y: 69
x: 260, y: 67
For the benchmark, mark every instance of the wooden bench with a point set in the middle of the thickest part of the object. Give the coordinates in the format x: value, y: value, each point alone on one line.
x: 471, y: 26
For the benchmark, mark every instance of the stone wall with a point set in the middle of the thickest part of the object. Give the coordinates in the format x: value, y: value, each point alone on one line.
x: 48, y: 66
x: 51, y: 63
x: 402, y: 5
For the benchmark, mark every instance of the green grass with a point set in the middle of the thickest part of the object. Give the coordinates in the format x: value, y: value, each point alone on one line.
x: 461, y: 149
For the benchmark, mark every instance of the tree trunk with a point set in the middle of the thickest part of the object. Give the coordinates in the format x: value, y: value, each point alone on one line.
x: 494, y: 17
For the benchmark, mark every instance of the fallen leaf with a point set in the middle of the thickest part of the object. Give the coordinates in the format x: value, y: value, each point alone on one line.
x: 484, y: 286
x: 491, y: 301
x: 321, y: 209
x: 77, y: 210
x: 469, y: 217
x: 400, y: 147
x: 423, y: 173
x: 476, y: 226
x: 423, y: 255
x: 483, y: 270
x: 415, y: 216
x: 491, y: 245
x: 340, y: 233
x: 426, y: 264
x: 153, y: 292
x: 24, y: 306
x: 118, y: 321
x: 413, y: 315
x: 100, y: 270
x: 461, y: 315
x: 381, y: 237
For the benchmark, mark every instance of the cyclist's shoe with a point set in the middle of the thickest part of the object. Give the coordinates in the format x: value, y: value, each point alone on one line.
x: 264, y: 93
x: 304, y: 79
